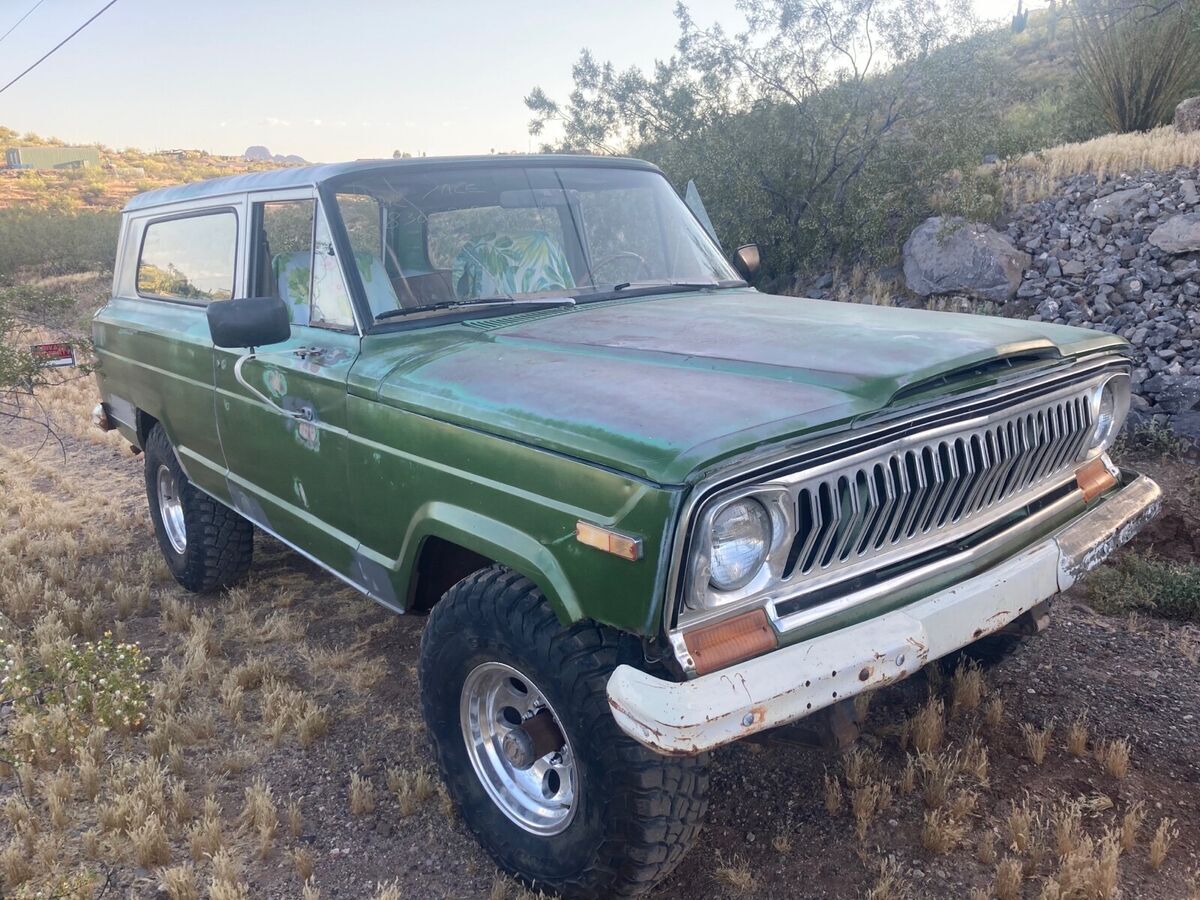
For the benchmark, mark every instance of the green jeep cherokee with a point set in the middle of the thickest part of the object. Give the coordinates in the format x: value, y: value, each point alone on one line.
x: 648, y: 509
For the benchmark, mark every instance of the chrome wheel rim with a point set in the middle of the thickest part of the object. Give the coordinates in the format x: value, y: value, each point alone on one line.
x: 496, y: 699
x: 170, y: 508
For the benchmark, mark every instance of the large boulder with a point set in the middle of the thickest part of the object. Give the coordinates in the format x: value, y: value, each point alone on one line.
x: 1179, y: 234
x: 1187, y: 115
x: 1117, y: 205
x: 952, y: 256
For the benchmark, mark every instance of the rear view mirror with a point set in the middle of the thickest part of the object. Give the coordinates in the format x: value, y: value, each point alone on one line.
x: 747, y: 260
x: 249, y: 322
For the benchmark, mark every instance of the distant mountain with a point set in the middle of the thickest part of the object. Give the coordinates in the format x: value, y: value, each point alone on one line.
x: 259, y: 153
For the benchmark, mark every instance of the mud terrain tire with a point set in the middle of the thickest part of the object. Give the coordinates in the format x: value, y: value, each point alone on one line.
x: 634, y: 813
x: 217, y: 545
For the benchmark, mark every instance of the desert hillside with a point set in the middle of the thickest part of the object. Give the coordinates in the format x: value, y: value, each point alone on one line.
x: 120, y: 175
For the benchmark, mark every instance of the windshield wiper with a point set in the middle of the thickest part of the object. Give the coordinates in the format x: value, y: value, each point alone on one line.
x: 627, y: 289
x: 481, y: 301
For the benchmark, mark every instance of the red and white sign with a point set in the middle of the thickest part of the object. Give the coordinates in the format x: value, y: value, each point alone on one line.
x: 53, y: 354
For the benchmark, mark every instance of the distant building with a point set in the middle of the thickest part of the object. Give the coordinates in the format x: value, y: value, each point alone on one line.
x: 51, y: 157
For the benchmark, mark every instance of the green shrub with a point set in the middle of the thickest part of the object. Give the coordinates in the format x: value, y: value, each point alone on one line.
x: 1167, y: 589
x: 60, y: 700
x: 1138, y: 58
x: 49, y: 242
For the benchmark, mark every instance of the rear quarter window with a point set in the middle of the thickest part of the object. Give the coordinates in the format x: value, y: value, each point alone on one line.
x: 189, y: 257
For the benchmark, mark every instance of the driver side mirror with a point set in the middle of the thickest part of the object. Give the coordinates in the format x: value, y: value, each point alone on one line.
x: 747, y: 260
x: 249, y: 322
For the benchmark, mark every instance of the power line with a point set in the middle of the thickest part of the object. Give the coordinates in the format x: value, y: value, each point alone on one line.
x: 53, y: 49
x: 20, y: 20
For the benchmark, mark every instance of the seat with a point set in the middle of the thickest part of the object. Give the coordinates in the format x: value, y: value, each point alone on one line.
x: 293, y: 280
x: 293, y: 273
x: 378, y: 286
x: 500, y: 264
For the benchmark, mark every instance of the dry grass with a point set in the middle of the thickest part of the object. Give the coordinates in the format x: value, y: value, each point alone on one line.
x: 967, y: 687
x: 303, y: 861
x: 362, y: 795
x: 1114, y: 756
x: 833, y: 794
x: 993, y: 712
x: 1035, y: 175
x: 975, y: 762
x: 928, y: 726
x: 295, y: 819
x: 1131, y: 824
x: 938, y: 774
x: 1037, y: 741
x: 1021, y: 825
x: 737, y: 876
x: 1066, y: 823
x: 1089, y: 870
x: 864, y: 804
x: 179, y: 882
x: 1078, y: 733
x: 1009, y: 877
x: 1164, y: 836
x: 907, y: 782
x: 890, y: 883
x: 411, y: 789
x: 941, y: 831
x: 985, y: 849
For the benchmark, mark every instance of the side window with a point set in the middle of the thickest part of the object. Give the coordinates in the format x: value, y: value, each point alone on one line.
x: 283, y: 242
x: 189, y: 258
x: 331, y: 306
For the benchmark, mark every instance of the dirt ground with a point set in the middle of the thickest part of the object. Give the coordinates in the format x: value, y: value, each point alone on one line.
x: 783, y: 820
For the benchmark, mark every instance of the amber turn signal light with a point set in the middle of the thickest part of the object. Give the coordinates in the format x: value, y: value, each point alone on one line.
x: 1094, y: 479
x: 716, y: 646
x: 609, y: 541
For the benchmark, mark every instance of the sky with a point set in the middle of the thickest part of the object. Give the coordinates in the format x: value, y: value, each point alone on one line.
x: 329, y: 81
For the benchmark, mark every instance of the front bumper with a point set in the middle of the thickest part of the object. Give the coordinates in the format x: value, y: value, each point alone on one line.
x: 683, y: 718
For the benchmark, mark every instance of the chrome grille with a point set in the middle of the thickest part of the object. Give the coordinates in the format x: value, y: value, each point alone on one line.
x: 893, y: 503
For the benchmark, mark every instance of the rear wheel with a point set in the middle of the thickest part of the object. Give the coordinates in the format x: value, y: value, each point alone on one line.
x: 516, y: 706
x: 206, y: 544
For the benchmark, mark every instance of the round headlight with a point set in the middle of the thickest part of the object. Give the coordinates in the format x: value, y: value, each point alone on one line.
x: 1109, y: 410
x: 740, y: 537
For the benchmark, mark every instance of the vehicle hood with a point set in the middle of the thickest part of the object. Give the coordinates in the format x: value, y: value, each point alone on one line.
x: 664, y: 387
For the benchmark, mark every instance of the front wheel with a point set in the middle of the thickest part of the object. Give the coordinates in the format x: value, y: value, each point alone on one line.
x: 206, y: 545
x: 516, y: 706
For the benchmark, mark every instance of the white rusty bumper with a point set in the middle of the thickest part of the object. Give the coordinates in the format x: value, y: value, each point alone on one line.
x: 795, y: 681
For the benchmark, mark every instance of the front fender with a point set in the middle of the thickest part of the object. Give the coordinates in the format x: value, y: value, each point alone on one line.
x: 495, y: 540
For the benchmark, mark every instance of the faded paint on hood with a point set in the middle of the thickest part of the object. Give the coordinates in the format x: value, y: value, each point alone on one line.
x: 661, y: 387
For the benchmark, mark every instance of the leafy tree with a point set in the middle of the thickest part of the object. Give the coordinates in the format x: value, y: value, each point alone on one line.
x: 790, y: 123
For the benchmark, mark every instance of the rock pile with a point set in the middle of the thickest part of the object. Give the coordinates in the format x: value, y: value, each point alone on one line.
x: 1123, y: 256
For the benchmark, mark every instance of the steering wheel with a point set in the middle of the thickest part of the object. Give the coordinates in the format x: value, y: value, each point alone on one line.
x: 642, y: 269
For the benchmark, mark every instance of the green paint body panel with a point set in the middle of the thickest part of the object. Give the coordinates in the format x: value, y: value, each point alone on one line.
x: 500, y: 434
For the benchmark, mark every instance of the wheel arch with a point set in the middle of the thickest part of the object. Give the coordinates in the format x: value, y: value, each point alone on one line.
x: 454, y: 537
x: 144, y: 423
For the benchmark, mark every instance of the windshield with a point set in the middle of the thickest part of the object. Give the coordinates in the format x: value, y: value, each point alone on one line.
x: 449, y: 236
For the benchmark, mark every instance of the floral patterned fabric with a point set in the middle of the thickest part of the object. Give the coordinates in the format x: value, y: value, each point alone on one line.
x: 497, y: 265
x: 293, y: 276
